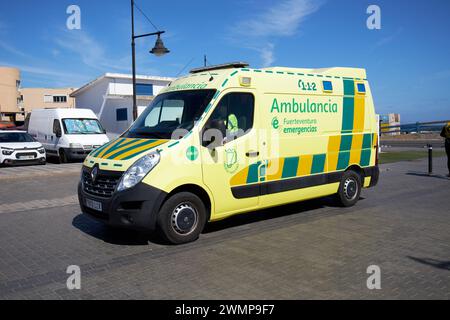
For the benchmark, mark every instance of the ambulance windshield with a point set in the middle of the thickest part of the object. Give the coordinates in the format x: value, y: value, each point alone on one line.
x: 171, y: 115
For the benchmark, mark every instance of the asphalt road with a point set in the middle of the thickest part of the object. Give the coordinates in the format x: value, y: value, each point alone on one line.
x: 303, y: 251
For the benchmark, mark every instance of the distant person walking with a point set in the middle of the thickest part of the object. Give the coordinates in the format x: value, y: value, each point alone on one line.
x: 445, y: 133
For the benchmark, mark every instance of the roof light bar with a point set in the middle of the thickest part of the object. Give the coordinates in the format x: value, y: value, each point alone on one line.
x: 221, y: 66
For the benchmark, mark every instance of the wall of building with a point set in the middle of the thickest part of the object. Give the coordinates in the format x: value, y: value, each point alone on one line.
x: 125, y: 87
x: 389, y: 120
x: 93, y: 97
x: 9, y: 93
x: 41, y: 98
x: 106, y: 95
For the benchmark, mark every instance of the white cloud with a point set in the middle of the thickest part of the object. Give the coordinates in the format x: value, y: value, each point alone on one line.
x: 95, y: 55
x: 11, y: 49
x: 91, y: 52
x: 283, y: 19
x: 47, y: 75
x: 267, y: 55
x: 390, y: 38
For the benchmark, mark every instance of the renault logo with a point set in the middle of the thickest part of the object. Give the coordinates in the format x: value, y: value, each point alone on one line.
x: 94, y: 174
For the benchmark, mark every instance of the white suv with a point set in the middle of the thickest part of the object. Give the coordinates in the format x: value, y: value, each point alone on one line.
x: 18, y: 147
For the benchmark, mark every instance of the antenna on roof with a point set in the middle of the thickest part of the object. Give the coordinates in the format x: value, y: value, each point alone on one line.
x: 230, y: 65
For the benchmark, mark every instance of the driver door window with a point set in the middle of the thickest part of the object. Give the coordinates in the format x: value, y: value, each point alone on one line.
x: 232, y: 118
x: 56, y: 126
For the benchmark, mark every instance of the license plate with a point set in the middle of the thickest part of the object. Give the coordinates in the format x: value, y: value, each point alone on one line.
x: 94, y: 205
x: 26, y: 157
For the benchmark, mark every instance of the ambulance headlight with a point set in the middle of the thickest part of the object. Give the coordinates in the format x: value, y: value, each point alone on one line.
x: 138, y: 171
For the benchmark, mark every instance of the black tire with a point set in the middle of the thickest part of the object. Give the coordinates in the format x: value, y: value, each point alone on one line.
x: 349, y: 189
x: 63, y: 157
x: 182, y: 218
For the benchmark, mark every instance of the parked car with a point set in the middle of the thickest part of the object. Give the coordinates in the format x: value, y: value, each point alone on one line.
x: 69, y: 134
x: 6, y: 125
x: 18, y: 147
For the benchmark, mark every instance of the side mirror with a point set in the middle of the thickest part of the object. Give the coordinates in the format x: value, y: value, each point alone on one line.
x: 58, y: 133
x: 212, y: 137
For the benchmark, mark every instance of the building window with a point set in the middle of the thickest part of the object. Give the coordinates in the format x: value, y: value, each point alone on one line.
x: 122, y: 114
x: 48, y: 98
x: 59, y: 99
x: 18, y: 84
x: 144, y: 89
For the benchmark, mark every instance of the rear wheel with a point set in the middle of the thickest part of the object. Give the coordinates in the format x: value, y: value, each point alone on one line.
x: 182, y: 218
x: 349, y: 189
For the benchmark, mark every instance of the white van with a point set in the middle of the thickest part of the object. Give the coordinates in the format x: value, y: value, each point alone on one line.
x: 69, y: 134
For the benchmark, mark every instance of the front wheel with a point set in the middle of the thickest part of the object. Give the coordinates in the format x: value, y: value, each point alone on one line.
x: 349, y: 189
x: 63, y: 157
x: 182, y: 218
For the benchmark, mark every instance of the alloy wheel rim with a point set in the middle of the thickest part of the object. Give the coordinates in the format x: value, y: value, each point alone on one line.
x: 350, y: 189
x: 184, y: 219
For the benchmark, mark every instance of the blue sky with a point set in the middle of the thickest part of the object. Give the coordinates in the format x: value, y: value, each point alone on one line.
x: 407, y: 61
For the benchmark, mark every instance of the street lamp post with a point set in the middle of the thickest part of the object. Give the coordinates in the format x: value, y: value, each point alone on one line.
x: 158, y: 50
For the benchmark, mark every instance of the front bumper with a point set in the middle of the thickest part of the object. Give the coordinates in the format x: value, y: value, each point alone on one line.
x: 76, y: 153
x: 16, y: 158
x: 136, y: 208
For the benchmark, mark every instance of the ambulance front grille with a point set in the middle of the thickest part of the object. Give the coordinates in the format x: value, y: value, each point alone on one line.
x: 104, y: 184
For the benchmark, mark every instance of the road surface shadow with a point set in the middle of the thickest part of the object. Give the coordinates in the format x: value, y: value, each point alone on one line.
x: 303, y: 207
x: 111, y: 235
x: 445, y: 265
x: 422, y: 174
x: 119, y: 236
x: 55, y: 160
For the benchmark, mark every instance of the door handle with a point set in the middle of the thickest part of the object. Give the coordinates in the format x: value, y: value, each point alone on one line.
x: 252, y: 154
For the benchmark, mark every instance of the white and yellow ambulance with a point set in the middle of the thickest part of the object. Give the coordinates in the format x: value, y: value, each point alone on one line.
x: 229, y: 139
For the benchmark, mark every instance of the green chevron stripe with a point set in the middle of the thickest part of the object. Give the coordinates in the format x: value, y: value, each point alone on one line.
x: 111, y: 145
x: 117, y: 146
x: 98, y: 150
x: 142, y: 144
x: 142, y: 151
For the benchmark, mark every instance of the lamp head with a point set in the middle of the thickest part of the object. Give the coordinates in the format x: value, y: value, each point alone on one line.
x: 159, y: 49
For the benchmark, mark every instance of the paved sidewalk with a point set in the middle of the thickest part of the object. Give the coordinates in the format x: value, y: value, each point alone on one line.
x: 38, y: 204
x: 38, y: 170
x: 306, y: 250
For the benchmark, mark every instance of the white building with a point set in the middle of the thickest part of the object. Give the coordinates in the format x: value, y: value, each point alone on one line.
x: 111, y: 98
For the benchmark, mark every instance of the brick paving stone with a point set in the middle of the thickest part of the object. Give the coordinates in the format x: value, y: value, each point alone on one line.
x: 310, y: 250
